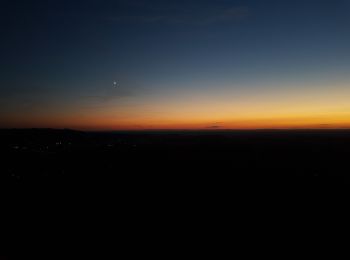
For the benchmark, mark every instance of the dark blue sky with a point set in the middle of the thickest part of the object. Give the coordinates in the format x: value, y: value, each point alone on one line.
x: 62, y: 56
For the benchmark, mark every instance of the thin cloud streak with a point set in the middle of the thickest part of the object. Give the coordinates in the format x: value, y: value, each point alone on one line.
x: 187, y: 17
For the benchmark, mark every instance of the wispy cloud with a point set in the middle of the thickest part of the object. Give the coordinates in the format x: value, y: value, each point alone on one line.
x: 186, y: 16
x: 105, y: 99
x: 109, y: 96
x: 215, y: 125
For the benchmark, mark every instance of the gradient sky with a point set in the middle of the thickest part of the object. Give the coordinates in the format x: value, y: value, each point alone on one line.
x: 224, y: 64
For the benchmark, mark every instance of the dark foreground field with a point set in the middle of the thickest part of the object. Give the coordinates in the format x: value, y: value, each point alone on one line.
x: 64, y: 157
x: 62, y: 181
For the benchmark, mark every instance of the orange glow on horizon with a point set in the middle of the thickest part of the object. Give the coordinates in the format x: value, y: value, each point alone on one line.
x: 288, y: 122
x: 300, y: 108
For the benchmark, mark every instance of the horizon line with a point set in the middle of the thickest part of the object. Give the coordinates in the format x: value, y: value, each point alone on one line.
x: 178, y: 130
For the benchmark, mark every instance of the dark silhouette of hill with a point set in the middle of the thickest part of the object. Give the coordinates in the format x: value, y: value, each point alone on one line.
x: 65, y: 179
x: 51, y: 155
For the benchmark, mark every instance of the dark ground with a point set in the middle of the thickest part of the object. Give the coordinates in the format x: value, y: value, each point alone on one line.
x: 66, y: 164
x: 65, y: 157
x: 70, y: 185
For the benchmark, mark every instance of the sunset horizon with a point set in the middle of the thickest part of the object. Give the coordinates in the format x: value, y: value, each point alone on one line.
x: 128, y: 65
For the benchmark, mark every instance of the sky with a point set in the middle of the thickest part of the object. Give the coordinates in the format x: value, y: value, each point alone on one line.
x: 223, y: 64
